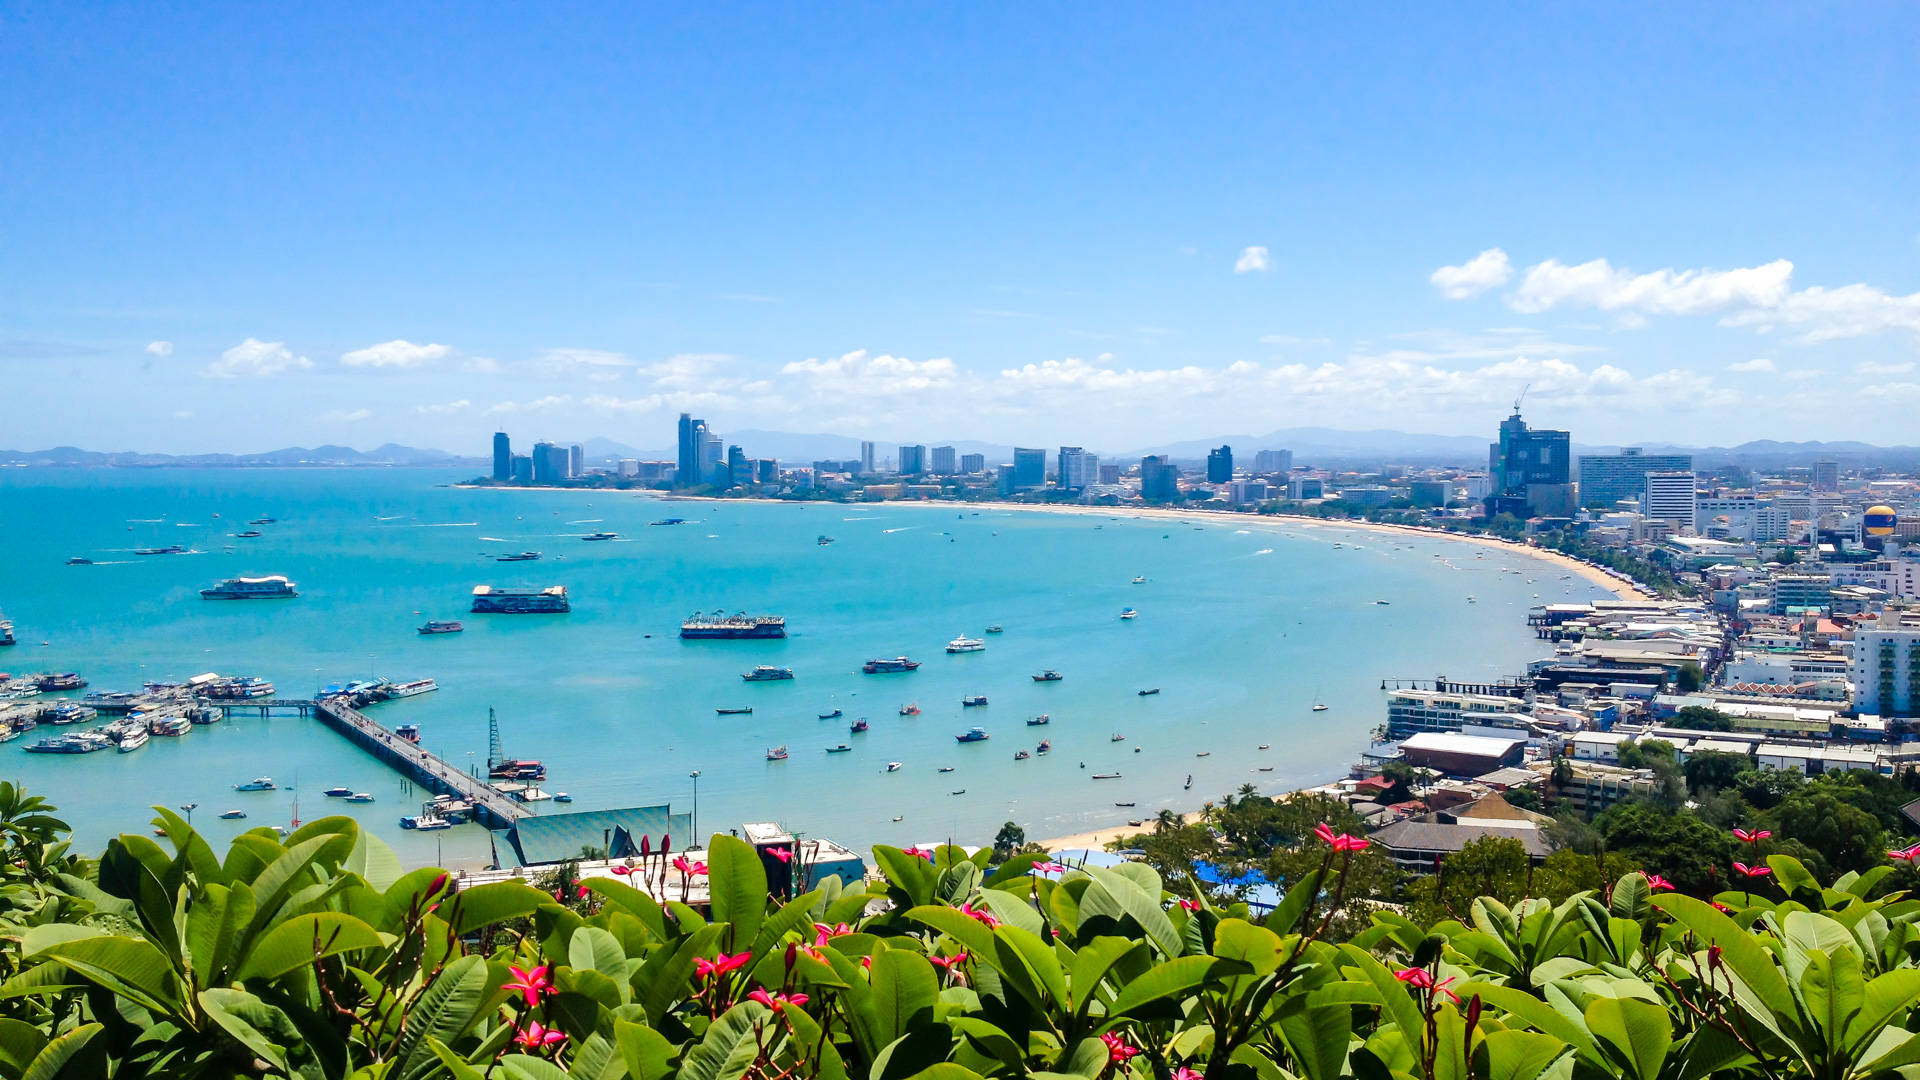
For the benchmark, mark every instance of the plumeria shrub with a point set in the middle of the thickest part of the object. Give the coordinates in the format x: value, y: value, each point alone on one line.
x: 315, y: 956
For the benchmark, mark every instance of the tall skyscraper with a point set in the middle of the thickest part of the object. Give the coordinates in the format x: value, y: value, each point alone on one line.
x: 740, y: 468
x: 1077, y: 468
x: 1159, y: 479
x: 1220, y: 465
x: 1826, y: 475
x: 943, y: 463
x: 549, y: 463
x: 576, y: 461
x: 866, y: 457
x: 1528, y: 456
x: 522, y: 468
x: 1270, y: 462
x: 693, y: 438
x: 502, y: 457
x: 1606, y: 479
x: 913, y: 460
x: 713, y: 464
x: 1029, y: 467
x: 973, y: 463
x: 1669, y: 496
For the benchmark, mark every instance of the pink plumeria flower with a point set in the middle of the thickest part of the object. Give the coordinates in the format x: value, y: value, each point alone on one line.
x: 1189, y: 905
x: 537, y: 1037
x: 1752, y: 871
x: 948, y: 962
x: 1048, y: 868
x: 822, y: 933
x: 867, y: 962
x: 623, y: 870
x: 1184, y: 1073
x: 1118, y: 1049
x: 1906, y: 854
x: 721, y: 964
x: 1753, y: 837
x: 986, y: 917
x: 919, y: 852
x: 777, y: 1001
x: 689, y: 868
x: 532, y: 983
x: 1657, y: 883
x: 1422, y: 979
x: 1341, y: 842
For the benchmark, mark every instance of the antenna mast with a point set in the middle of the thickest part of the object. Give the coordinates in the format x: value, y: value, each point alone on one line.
x: 495, y: 755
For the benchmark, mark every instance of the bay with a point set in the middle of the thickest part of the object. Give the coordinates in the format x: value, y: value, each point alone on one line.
x: 1242, y: 625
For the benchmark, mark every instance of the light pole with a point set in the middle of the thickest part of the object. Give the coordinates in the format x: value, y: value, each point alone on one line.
x: 189, y: 809
x: 695, y: 776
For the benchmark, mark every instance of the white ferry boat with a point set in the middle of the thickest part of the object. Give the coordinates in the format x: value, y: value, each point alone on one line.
x: 491, y: 599
x: 409, y: 689
x: 271, y: 587
x: 966, y: 644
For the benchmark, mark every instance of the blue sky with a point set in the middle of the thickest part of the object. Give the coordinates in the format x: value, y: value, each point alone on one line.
x: 233, y: 227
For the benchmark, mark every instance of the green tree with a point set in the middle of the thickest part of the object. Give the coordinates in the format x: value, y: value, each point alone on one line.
x: 1702, y: 718
x: 1009, y: 839
x: 1679, y: 847
x: 1713, y: 770
x: 1643, y: 754
x: 1689, y: 678
x: 1764, y: 788
x: 1496, y: 867
x: 1841, y: 835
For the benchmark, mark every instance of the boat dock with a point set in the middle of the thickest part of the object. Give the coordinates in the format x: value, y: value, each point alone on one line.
x: 491, y: 808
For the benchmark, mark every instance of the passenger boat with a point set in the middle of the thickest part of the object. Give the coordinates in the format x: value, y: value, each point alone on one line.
x: 768, y: 673
x: 337, y: 792
x: 966, y: 644
x: 885, y: 665
x: 1106, y: 776
x: 522, y: 556
x: 995, y: 629
x: 410, y: 689
x: 1048, y: 675
x: 912, y: 709
x: 721, y: 626
x: 64, y: 680
x: 409, y: 732
x: 498, y: 600
x: 270, y: 587
x: 1037, y: 721
x: 170, y: 726
x: 972, y: 735
x: 258, y: 783
x: 1149, y: 691
x: 133, y: 740
x: 834, y: 715
x: 1021, y: 755
x: 839, y: 749
x: 858, y: 726
x: 735, y: 710
x: 600, y: 536
x: 170, y: 549
x: 233, y: 815
x: 777, y: 753
x: 359, y: 797
x: 441, y: 626
x: 1129, y: 613
x: 973, y: 702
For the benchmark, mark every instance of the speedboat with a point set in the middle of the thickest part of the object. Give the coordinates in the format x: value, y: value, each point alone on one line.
x: 259, y: 783
x: 233, y: 815
x: 360, y: 797
x: 777, y: 753
x: 995, y: 629
x: 523, y: 556
x: 1319, y: 707
x: 431, y: 824
x: 337, y: 792
x: 893, y: 766
x: 834, y: 715
x: 1140, y: 581
x: 247, y: 534
x: 1036, y: 721
x: 946, y: 768
x: 79, y: 560
x: 1048, y: 675
x: 600, y: 536
x: 972, y: 735
x: 561, y: 796
x: 1204, y: 753
x: 1129, y: 613
x: 974, y: 701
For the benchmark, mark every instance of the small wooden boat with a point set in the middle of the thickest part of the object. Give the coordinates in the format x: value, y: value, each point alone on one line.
x: 834, y: 715
x: 1149, y: 691
x: 735, y: 710
x: 1038, y: 721
x: 840, y: 749
x: 1106, y: 776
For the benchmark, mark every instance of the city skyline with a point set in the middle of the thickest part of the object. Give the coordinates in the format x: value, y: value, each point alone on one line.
x: 1022, y: 232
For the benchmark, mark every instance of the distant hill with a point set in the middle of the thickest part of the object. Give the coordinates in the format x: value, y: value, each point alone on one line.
x: 389, y: 454
x: 1322, y: 446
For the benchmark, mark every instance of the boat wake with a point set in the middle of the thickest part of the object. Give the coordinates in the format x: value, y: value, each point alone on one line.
x: 495, y: 539
x: 903, y: 528
x: 445, y: 525
x: 586, y: 521
x: 1264, y: 551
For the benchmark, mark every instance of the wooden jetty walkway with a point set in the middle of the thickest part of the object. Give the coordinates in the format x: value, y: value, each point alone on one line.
x: 490, y: 807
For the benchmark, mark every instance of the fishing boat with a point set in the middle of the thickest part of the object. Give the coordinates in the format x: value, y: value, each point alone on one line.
x: 518, y: 556
x: 1106, y: 776
x: 360, y: 797
x: 911, y: 709
x: 858, y: 726
x: 975, y: 701
x: 839, y: 749
x: 233, y: 815
x: 888, y: 665
x: 1048, y: 675
x: 601, y: 536
x: 1021, y: 755
x: 996, y: 629
x: 1149, y: 691
x: 972, y: 735
x: 258, y: 783
x: 441, y: 626
x: 1204, y: 753
x: 1037, y: 721
x: 834, y: 715
x: 1125, y: 804
x: 247, y: 534
x: 962, y: 791
x: 1117, y: 737
x: 965, y: 644
x: 946, y: 768
x: 768, y: 673
x: 1046, y: 746
x: 823, y: 540
x: 1263, y: 746
x: 777, y: 753
x: 337, y: 792
x: 1129, y: 613
x: 1265, y: 768
x: 1189, y: 782
x: 734, y: 710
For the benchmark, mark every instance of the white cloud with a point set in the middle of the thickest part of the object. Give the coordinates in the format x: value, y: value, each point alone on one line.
x: 482, y: 365
x: 598, y: 365
x: 545, y: 404
x: 1599, y: 284
x: 255, y: 357
x: 1488, y: 270
x: 1884, y: 367
x: 346, y: 416
x: 861, y: 374
x: 1758, y: 363
x: 160, y: 348
x: 1253, y: 260
x: 1823, y: 314
x: 395, y: 354
x: 183, y: 414
x: 444, y: 409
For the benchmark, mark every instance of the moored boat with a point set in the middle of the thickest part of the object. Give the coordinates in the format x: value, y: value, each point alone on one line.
x: 910, y: 709
x: 337, y: 792
x: 518, y: 556
x: 359, y: 797
x: 409, y: 689
x: 441, y: 626
x: 233, y: 815
x: 965, y: 644
x: 886, y: 665
x: 840, y: 749
x: 1149, y: 691
x: 735, y: 710
x: 270, y: 587
x: 975, y: 701
x: 768, y: 673
x: 972, y: 735
x: 834, y: 715
x: 1021, y: 755
x: 1037, y: 721
x: 601, y: 536
x: 777, y: 753
x: 1048, y: 675
x: 858, y: 726
x: 258, y: 783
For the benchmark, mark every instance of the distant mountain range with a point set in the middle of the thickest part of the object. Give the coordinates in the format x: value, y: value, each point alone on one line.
x: 292, y: 456
x: 1310, y: 446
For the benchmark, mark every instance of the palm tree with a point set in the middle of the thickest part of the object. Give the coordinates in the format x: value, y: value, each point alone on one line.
x: 1166, y: 821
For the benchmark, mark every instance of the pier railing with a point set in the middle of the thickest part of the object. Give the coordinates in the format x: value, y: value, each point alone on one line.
x: 491, y: 808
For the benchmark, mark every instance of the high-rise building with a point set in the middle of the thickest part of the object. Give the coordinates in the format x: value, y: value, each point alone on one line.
x: 1159, y: 479
x: 1606, y: 479
x: 1077, y: 468
x: 1429, y: 492
x: 502, y: 457
x: 913, y: 460
x: 866, y: 458
x: 769, y: 470
x: 713, y: 463
x: 1306, y: 487
x: 1826, y: 475
x: 1029, y: 468
x: 1003, y: 480
x: 549, y: 463
x: 1109, y: 474
x: 972, y: 464
x: 1220, y: 465
x: 740, y: 468
x: 1527, y: 455
x: 1269, y: 462
x: 523, y: 468
x: 943, y: 461
x: 576, y: 461
x: 628, y: 468
x: 1886, y: 667
x: 1669, y: 496
x: 693, y: 468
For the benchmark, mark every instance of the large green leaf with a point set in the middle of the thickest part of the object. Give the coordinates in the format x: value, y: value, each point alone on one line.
x: 648, y: 1054
x: 1521, y: 1055
x: 295, y: 869
x: 1743, y: 953
x: 20, y: 1043
x: 971, y: 933
x: 731, y: 1043
x: 910, y: 874
x: 1639, y: 1033
x: 129, y: 967
x: 445, y: 1010
x: 1173, y: 978
x: 739, y: 885
x: 1883, y: 999
x: 1090, y: 966
x: 1255, y: 946
x: 61, y: 1058
x: 496, y: 902
x: 1318, y: 1039
x: 1120, y: 898
x: 904, y: 989
x: 301, y: 940
x: 1040, y: 962
x: 527, y: 1067
x: 1632, y: 897
x: 235, y: 1011
x: 664, y: 979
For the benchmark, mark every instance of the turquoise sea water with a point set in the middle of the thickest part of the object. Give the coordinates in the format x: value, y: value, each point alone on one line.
x: 1241, y: 625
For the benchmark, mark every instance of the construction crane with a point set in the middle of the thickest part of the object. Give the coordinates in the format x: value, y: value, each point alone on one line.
x: 1521, y: 398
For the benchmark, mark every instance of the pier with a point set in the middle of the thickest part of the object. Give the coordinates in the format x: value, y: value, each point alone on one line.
x: 491, y: 807
x: 264, y: 706
x: 1507, y: 687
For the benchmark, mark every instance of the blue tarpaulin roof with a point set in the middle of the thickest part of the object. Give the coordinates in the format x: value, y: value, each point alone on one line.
x: 1260, y: 893
x: 555, y: 838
